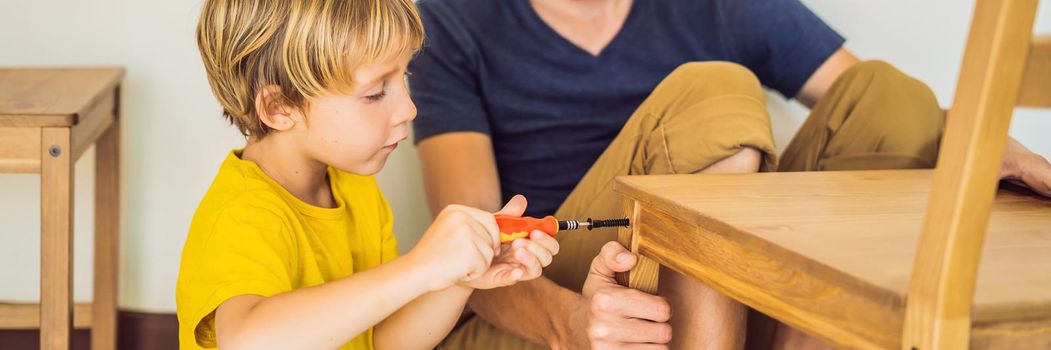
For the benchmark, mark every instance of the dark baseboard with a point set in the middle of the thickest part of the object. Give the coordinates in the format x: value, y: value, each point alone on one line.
x: 135, y: 330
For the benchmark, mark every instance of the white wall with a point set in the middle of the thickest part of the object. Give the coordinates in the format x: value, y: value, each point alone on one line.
x: 174, y: 138
x: 923, y: 38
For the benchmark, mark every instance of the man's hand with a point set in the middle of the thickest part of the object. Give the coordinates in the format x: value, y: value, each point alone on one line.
x: 611, y: 316
x: 1021, y: 164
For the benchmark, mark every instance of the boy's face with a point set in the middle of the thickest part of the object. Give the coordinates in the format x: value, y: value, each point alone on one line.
x: 356, y: 132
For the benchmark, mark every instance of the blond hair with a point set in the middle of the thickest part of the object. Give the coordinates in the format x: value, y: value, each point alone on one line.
x: 307, y: 48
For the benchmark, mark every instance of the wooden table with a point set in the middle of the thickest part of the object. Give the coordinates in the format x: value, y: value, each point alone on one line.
x: 832, y: 252
x: 48, y: 118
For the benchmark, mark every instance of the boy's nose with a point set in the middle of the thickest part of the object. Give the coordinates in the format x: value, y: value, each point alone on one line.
x: 409, y: 111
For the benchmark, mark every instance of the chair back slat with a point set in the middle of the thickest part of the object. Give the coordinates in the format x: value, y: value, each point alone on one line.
x: 941, y: 290
x: 1036, y: 82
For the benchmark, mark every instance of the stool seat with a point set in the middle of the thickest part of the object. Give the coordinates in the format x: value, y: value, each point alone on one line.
x: 46, y: 97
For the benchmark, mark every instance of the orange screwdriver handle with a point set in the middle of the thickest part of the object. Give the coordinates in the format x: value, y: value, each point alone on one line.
x: 515, y: 227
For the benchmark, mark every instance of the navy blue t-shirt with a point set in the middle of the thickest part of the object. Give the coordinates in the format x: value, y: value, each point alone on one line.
x: 551, y: 108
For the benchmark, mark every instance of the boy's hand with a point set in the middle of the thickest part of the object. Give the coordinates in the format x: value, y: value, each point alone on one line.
x: 460, y: 244
x: 521, y: 260
x: 463, y: 246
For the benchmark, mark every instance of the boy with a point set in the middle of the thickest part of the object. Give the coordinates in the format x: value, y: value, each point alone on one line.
x: 291, y: 247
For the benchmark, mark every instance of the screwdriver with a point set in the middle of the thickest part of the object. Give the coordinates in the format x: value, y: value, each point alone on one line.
x: 515, y: 227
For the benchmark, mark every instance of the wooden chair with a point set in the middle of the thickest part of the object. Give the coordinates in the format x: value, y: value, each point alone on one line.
x: 849, y: 257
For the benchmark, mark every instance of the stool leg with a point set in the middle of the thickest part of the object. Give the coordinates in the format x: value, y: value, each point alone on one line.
x: 56, y: 239
x: 107, y: 238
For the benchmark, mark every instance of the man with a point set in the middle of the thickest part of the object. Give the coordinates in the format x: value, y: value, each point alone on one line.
x: 553, y: 98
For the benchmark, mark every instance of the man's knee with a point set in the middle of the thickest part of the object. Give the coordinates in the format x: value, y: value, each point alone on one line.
x: 894, y: 114
x: 702, y: 113
x: 912, y: 118
x: 713, y: 78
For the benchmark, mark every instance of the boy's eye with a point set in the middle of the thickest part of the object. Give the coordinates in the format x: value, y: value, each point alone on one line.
x: 376, y: 97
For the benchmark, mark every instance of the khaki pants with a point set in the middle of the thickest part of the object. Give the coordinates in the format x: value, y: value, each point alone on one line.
x: 873, y: 117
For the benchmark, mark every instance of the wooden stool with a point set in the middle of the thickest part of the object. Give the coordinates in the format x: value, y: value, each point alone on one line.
x: 48, y: 117
x: 849, y: 257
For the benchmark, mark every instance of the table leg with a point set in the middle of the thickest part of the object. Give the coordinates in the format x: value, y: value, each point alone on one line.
x: 56, y: 239
x: 645, y: 275
x: 107, y: 239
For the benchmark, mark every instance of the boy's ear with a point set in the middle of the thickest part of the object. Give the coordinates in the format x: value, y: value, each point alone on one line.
x: 273, y: 110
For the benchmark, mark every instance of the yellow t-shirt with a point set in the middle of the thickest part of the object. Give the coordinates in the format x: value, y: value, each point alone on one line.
x: 251, y: 236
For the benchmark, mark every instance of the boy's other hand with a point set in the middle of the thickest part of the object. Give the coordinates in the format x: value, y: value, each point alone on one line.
x: 459, y: 245
x: 520, y: 260
x: 462, y: 247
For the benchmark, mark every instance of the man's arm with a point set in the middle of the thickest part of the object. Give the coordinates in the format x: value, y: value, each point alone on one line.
x: 825, y: 75
x: 460, y: 168
x: 433, y: 315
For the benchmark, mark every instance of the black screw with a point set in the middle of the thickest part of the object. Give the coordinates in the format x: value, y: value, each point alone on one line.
x: 608, y: 223
x: 54, y: 151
